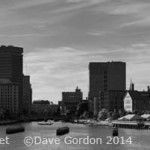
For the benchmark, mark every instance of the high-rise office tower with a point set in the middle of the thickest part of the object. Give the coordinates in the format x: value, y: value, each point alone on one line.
x: 106, y: 76
x: 11, y: 67
x: 11, y: 63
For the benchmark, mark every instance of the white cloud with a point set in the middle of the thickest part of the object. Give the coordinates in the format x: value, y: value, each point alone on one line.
x: 145, y: 21
x: 57, y: 69
x: 134, y: 12
x: 30, y: 3
x: 140, y: 45
x: 62, y: 69
x: 96, y: 33
x: 129, y: 8
x: 73, y: 1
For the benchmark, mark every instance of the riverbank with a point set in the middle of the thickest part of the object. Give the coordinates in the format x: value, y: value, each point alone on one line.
x: 93, y: 122
x: 131, y: 124
x: 7, y: 122
x: 116, y: 123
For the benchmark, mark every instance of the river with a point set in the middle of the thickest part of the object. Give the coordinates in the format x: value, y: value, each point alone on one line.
x: 81, y: 137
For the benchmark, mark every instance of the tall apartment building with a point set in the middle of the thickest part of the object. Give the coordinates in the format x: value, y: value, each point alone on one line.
x: 27, y: 94
x: 104, y: 77
x: 11, y: 67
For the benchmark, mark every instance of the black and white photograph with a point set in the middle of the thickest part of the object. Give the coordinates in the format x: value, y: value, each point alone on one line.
x: 74, y: 74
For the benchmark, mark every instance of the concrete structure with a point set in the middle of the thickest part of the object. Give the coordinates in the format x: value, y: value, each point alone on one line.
x: 27, y: 94
x: 105, y: 77
x: 9, y: 97
x: 11, y: 67
x: 70, y: 100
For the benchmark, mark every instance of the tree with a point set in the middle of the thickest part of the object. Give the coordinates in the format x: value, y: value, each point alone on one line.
x: 115, y: 115
x: 81, y: 109
x: 58, y: 111
x: 103, y: 114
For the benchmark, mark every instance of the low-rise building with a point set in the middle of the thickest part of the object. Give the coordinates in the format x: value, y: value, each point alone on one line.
x: 70, y: 100
x: 137, y: 101
x: 44, y: 107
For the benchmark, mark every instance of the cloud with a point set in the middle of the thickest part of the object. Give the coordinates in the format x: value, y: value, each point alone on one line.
x: 73, y: 1
x: 133, y: 12
x: 61, y: 37
x: 128, y: 8
x: 86, y: 1
x: 74, y: 5
x: 57, y: 70
x: 140, y: 45
x: 23, y: 35
x: 30, y: 3
x: 62, y: 69
x: 96, y: 33
x: 145, y: 21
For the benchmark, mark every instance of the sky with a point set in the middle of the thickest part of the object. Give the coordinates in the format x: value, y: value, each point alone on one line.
x: 61, y: 37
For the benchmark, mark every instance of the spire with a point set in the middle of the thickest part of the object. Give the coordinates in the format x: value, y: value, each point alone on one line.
x: 130, y: 81
x: 131, y: 85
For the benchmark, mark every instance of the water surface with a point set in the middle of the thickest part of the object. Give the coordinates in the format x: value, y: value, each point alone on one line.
x: 140, y: 138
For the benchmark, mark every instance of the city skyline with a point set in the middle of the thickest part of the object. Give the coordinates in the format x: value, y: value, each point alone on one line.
x: 61, y: 37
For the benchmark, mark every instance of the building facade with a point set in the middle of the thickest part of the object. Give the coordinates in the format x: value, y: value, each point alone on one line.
x: 11, y: 67
x: 70, y: 100
x: 112, y: 100
x: 137, y: 101
x: 9, y: 98
x: 105, y: 77
x: 27, y: 94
